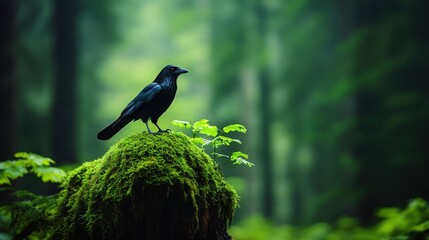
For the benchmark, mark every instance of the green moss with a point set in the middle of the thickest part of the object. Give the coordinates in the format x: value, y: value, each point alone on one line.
x: 150, y: 186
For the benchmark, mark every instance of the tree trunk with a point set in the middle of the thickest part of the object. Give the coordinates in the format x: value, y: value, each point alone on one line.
x: 265, y: 113
x: 265, y: 145
x: 65, y: 61
x: 8, y: 83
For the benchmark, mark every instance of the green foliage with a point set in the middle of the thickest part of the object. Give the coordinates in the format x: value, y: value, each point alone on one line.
x: 30, y: 218
x: 30, y: 214
x: 235, y: 128
x: 30, y: 162
x: 411, y: 223
x: 258, y: 228
x: 215, y: 139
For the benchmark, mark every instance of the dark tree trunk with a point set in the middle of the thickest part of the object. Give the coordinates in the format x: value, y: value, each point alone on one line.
x: 65, y: 61
x: 8, y: 83
x: 265, y: 152
x: 380, y: 149
x: 265, y: 116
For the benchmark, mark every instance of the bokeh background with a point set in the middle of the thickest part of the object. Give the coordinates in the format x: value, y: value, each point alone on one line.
x: 334, y: 94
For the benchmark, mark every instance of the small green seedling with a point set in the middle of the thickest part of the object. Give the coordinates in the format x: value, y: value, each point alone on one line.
x: 213, y: 136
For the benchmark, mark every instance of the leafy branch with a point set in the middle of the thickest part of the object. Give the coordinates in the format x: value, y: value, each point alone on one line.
x: 27, y: 218
x: 214, y: 137
x: 30, y: 162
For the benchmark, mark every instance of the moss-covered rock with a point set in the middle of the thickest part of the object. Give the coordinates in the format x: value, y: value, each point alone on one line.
x: 147, y: 187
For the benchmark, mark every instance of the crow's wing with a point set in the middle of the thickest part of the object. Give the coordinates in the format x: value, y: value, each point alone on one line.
x: 145, y: 96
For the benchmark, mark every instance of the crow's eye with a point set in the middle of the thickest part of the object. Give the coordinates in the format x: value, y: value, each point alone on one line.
x: 172, y: 68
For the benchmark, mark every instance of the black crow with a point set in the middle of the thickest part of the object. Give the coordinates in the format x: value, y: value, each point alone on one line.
x: 150, y: 103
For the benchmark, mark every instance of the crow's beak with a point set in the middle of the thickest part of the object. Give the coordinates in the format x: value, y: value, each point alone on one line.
x: 180, y: 71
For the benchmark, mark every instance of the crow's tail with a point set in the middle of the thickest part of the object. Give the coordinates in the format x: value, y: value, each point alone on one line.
x: 112, y: 129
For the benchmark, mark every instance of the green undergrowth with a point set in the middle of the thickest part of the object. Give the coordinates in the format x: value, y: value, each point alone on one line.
x: 141, y: 181
x: 410, y: 223
x: 165, y: 187
x: 24, y: 214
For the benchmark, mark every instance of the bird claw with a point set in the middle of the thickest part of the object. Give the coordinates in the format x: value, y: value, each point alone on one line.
x: 163, y: 131
x: 159, y: 132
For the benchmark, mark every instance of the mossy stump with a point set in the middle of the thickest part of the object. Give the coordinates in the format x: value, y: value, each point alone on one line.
x: 147, y: 187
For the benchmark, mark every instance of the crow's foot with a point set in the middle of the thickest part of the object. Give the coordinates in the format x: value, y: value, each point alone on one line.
x: 163, y: 131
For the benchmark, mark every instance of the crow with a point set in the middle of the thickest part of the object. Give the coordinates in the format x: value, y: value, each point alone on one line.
x: 150, y: 103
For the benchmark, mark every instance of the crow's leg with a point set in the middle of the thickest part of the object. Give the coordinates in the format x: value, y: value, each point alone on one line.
x: 160, y: 130
x: 148, y: 129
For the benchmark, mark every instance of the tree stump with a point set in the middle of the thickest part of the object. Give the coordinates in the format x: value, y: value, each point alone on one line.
x: 147, y: 187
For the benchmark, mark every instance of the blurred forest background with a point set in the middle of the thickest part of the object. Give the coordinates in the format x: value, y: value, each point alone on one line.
x: 334, y: 93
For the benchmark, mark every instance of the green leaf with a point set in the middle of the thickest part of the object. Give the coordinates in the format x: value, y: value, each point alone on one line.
x: 240, y: 158
x: 229, y: 140
x: 209, y: 131
x: 200, y: 124
x: 243, y: 161
x: 4, y: 180
x: 33, y: 160
x: 50, y: 174
x: 198, y: 141
x: 3, y: 165
x: 238, y: 154
x: 14, y: 171
x: 11, y: 170
x: 235, y: 128
x: 422, y: 227
x: 224, y: 141
x: 205, y: 128
x: 183, y: 124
